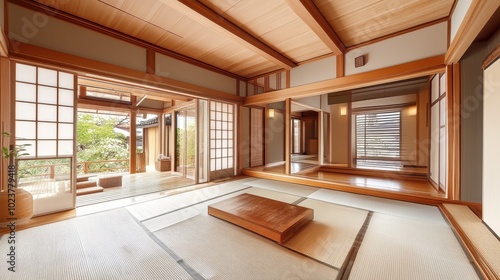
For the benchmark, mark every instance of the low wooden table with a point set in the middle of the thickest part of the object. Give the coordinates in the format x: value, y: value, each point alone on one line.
x: 273, y: 219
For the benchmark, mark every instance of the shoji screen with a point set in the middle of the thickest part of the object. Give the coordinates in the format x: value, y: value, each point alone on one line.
x: 491, y: 147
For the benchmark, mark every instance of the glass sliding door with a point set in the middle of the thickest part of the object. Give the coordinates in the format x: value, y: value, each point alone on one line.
x: 185, y: 149
x: 44, y: 121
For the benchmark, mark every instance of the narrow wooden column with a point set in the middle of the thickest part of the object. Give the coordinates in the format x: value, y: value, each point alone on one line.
x: 453, y: 130
x: 288, y: 129
x: 5, y: 116
x: 133, y: 137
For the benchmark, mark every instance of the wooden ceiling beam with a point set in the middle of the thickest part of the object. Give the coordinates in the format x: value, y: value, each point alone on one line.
x: 206, y: 16
x: 311, y: 15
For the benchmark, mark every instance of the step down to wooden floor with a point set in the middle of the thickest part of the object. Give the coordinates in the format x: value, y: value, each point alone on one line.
x: 89, y: 190
x: 85, y: 184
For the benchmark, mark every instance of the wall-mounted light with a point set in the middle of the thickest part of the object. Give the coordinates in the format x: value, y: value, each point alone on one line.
x: 270, y: 113
x: 343, y: 110
x: 412, y: 111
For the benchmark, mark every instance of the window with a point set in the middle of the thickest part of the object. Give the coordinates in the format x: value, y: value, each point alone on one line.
x: 378, y: 139
x: 221, y: 136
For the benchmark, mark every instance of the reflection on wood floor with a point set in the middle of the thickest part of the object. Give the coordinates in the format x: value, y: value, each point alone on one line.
x: 400, y: 181
x: 137, y: 184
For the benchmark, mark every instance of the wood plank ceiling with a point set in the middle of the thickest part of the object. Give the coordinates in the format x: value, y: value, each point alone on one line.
x: 249, y: 38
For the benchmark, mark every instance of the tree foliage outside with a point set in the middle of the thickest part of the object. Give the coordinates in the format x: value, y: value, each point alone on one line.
x: 97, y: 141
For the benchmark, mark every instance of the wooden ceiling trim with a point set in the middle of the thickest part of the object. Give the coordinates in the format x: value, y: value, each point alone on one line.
x: 310, y: 14
x: 400, y: 72
x: 210, y: 18
x: 96, y: 69
x: 39, y: 7
x: 476, y: 18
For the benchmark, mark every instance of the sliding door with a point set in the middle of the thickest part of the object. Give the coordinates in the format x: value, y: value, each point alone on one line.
x: 185, y: 148
x: 45, y: 124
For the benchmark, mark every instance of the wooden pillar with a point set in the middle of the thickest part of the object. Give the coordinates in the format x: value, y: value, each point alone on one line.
x: 340, y: 65
x: 288, y: 135
x: 321, y: 142
x: 5, y: 116
x: 453, y: 130
x: 133, y: 137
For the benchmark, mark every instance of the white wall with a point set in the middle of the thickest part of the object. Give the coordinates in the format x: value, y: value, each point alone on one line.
x: 316, y: 71
x: 42, y: 30
x: 419, y: 44
x: 491, y: 149
x: 458, y: 16
x: 312, y: 101
x: 181, y: 71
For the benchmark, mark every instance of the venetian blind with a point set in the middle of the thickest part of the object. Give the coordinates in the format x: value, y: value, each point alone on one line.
x: 378, y: 139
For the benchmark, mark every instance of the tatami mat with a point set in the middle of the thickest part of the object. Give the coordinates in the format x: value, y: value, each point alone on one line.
x: 403, y: 209
x: 109, y: 245
x: 278, y: 186
x: 182, y: 214
x: 399, y: 248
x: 220, y: 250
x: 482, y: 239
x: 330, y: 236
x: 161, y: 206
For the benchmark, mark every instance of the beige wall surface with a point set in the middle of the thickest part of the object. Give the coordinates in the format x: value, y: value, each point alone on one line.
x: 48, y: 32
x: 423, y: 43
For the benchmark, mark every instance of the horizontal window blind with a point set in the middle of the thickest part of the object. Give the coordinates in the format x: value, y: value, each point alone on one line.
x: 378, y: 139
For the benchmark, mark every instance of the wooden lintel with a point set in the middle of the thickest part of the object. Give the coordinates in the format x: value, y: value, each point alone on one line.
x: 215, y: 21
x: 400, y: 72
x: 311, y: 15
x: 116, y: 74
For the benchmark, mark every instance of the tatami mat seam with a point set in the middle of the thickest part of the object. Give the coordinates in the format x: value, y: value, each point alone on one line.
x: 193, y: 273
x: 345, y: 271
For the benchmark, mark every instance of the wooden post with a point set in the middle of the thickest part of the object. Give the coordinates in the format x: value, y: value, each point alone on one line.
x: 5, y: 116
x: 133, y: 137
x: 288, y: 124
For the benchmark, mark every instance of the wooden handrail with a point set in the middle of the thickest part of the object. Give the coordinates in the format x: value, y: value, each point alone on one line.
x: 86, y: 170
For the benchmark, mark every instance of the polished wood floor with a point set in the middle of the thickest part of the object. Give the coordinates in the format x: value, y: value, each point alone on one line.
x: 388, y: 181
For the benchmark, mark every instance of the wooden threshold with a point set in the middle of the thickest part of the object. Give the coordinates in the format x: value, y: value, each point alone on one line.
x: 376, y: 192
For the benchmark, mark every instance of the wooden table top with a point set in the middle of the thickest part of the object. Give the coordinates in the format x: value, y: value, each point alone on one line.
x: 271, y: 218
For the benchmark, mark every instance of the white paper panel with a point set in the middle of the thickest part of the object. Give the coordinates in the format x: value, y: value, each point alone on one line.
x: 25, y: 111
x: 65, y: 131
x: 47, y: 130
x: 66, y: 97
x: 31, y: 149
x: 25, y: 92
x: 47, y: 95
x: 66, y: 114
x: 65, y: 148
x: 491, y: 147
x: 442, y: 84
x: 435, y: 88
x: 442, y: 157
x: 25, y: 130
x: 442, y: 112
x: 47, y: 77
x: 25, y: 73
x: 434, y: 158
x: 47, y: 113
x: 47, y: 148
x: 66, y: 80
